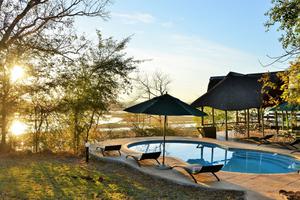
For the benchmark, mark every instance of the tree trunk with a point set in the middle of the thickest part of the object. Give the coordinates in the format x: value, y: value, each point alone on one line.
x: 3, y: 127
x: 90, y: 126
x: 75, y: 133
x: 35, y: 137
x: 38, y: 122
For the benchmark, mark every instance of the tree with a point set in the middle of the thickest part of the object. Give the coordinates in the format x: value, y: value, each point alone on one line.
x: 291, y: 83
x: 42, y: 103
x: 37, y: 29
x: 152, y: 85
x: 92, y: 83
x: 286, y: 13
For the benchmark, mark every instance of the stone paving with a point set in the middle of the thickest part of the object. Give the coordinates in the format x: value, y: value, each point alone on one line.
x: 257, y: 186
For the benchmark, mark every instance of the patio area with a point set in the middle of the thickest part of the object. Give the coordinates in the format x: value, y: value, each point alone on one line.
x: 256, y: 186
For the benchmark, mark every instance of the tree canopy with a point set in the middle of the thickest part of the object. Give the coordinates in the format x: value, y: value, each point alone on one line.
x: 286, y: 13
x: 69, y: 80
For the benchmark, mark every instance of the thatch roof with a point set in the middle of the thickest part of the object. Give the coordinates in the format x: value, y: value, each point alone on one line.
x: 235, y: 92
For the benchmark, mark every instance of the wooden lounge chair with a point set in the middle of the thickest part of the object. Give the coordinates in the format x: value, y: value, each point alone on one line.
x: 145, y: 156
x: 262, y: 140
x: 109, y: 148
x: 297, y: 141
x: 197, y: 169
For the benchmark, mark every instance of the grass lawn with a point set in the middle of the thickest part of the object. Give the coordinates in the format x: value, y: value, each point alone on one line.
x: 44, y: 176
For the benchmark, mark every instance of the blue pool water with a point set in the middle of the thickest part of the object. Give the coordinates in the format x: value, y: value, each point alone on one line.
x: 234, y: 160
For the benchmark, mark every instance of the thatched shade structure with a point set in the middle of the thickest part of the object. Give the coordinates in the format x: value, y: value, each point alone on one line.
x: 237, y: 91
x: 234, y: 92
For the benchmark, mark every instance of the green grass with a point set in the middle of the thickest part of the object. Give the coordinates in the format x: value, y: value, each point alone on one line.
x: 60, y: 177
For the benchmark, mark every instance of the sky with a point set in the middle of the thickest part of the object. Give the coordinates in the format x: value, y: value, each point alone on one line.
x: 191, y: 40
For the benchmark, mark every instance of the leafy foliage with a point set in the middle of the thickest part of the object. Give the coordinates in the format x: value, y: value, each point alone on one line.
x: 291, y: 83
x: 91, y: 83
x: 286, y: 13
x: 34, y: 31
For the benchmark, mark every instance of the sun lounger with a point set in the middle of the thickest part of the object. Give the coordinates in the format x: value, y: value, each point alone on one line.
x: 197, y: 169
x: 106, y: 148
x: 263, y: 140
x: 145, y: 156
x: 297, y: 141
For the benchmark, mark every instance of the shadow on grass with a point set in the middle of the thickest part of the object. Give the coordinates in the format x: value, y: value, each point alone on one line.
x: 50, y: 177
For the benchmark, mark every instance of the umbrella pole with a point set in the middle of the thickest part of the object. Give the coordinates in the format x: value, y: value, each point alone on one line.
x: 164, y: 143
x: 226, y: 126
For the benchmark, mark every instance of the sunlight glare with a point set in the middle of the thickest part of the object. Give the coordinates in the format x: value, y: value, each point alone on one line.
x: 18, y: 128
x: 17, y: 72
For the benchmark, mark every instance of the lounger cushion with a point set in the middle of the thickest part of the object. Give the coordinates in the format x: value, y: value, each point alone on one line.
x: 109, y: 147
x: 193, y: 169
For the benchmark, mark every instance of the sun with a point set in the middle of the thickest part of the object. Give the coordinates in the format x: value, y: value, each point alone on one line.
x: 16, y: 73
x: 18, y: 128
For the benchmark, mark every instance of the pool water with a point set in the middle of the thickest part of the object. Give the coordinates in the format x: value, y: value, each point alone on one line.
x: 234, y: 160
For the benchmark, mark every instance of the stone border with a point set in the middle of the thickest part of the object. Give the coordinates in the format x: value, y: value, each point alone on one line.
x: 150, y: 171
x: 231, y: 179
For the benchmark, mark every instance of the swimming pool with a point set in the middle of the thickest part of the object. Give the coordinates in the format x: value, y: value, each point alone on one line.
x: 234, y: 160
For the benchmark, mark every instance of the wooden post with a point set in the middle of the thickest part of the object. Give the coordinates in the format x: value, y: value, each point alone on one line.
x: 276, y: 123
x: 226, y: 126
x: 292, y: 125
x: 263, y: 122
x: 248, y: 125
x: 245, y: 117
x: 258, y: 116
x: 202, y: 117
x: 287, y: 120
x: 213, y: 116
x: 282, y: 118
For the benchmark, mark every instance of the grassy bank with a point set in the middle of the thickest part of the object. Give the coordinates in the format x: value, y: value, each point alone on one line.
x: 67, y: 177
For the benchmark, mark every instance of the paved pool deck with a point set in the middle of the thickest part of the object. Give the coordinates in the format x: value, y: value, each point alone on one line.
x: 256, y: 186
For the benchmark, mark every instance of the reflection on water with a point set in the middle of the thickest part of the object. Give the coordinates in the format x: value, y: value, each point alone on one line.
x: 234, y: 160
